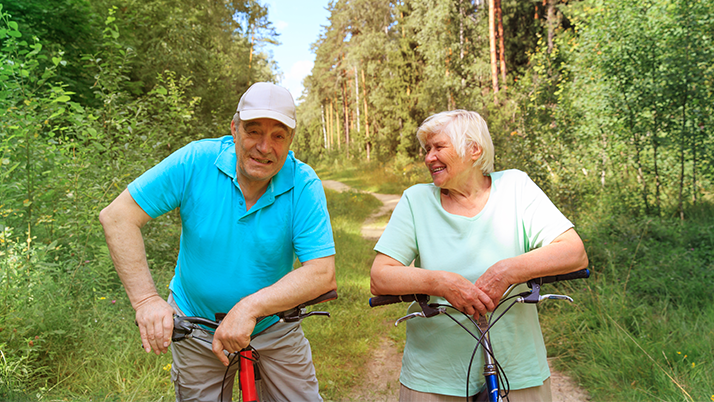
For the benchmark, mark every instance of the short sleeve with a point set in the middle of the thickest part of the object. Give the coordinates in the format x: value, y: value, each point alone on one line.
x: 542, y: 221
x: 399, y: 239
x: 312, y: 231
x: 160, y: 189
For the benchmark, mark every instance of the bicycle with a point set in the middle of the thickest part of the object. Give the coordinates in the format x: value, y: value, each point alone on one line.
x: 493, y: 373
x: 248, y: 357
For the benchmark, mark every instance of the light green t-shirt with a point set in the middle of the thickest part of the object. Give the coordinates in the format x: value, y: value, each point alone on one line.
x: 518, y: 217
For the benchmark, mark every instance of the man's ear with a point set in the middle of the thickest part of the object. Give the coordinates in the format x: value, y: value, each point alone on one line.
x: 234, y: 130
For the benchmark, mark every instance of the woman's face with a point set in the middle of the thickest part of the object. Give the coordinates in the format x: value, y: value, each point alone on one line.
x: 447, y: 168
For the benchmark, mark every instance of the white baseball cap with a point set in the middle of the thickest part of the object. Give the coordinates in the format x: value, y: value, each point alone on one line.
x: 266, y: 100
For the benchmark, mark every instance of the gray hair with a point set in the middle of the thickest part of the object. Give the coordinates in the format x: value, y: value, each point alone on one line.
x: 236, y: 121
x: 464, y: 128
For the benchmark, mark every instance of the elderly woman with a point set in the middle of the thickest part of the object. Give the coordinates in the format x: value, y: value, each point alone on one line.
x: 471, y: 234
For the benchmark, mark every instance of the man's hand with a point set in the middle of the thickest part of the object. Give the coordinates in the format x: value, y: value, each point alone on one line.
x: 154, y: 316
x: 233, y: 335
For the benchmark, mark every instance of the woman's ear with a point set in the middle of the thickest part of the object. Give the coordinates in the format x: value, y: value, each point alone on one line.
x: 475, y: 151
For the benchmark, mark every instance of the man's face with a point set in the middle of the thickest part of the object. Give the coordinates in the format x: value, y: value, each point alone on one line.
x: 261, y: 148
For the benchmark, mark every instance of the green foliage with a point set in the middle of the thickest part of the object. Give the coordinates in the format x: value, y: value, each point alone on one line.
x: 218, y: 45
x: 384, y: 67
x: 60, y: 163
x: 616, y: 102
x: 641, y: 326
x: 68, y: 27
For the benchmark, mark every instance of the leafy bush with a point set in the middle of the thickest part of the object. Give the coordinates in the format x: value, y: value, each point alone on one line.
x: 64, y: 309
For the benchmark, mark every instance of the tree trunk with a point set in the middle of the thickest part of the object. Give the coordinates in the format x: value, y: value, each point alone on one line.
x: 357, y: 98
x: 681, y: 153
x: 492, y: 41
x: 462, y: 39
x: 501, y: 43
x: 638, y: 160
x: 366, y: 117
x: 329, y: 126
x: 346, y: 111
x: 694, y: 161
x: 550, y: 21
x: 334, y: 132
x: 322, y: 120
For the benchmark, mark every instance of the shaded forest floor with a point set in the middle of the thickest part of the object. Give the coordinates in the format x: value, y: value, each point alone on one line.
x: 380, y: 379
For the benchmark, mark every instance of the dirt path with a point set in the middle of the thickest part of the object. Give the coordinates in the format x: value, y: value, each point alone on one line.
x: 380, y: 381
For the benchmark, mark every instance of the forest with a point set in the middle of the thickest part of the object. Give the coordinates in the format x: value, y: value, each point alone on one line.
x: 606, y: 104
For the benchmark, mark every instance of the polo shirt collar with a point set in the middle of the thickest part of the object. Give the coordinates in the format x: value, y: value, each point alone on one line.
x: 279, y: 184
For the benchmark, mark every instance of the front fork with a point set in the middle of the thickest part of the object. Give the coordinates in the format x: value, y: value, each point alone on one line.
x: 489, y: 368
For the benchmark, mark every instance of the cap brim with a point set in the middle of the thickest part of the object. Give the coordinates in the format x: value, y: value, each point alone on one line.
x: 267, y: 114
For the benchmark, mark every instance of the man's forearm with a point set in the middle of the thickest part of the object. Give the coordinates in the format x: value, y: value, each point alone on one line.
x: 311, y: 280
x: 122, y: 221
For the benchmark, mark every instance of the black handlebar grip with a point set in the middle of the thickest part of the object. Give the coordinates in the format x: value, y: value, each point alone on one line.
x: 389, y: 299
x: 582, y: 274
x: 331, y: 295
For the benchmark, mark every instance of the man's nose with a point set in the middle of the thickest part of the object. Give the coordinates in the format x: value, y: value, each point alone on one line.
x: 263, y: 145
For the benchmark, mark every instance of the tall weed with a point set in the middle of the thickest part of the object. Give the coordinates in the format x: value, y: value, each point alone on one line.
x: 641, y: 328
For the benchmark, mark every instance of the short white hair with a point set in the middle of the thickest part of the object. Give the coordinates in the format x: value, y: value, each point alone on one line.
x: 464, y: 128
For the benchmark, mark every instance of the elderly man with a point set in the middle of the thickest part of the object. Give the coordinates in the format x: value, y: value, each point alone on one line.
x: 248, y: 207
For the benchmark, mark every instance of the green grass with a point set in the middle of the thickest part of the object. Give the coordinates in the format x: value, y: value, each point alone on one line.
x: 642, y: 328
x: 341, y: 345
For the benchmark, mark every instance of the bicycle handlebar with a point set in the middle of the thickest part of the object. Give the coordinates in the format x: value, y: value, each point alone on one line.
x: 184, y: 326
x: 582, y: 274
x: 392, y: 299
x: 389, y: 299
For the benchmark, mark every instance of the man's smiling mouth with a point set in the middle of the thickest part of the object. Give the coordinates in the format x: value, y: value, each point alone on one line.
x: 263, y: 161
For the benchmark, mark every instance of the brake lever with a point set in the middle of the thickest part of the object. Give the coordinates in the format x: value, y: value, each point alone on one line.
x: 427, y: 310
x: 182, y: 329
x: 409, y: 317
x: 556, y: 297
x: 302, y: 313
x: 298, y: 313
x: 535, y: 297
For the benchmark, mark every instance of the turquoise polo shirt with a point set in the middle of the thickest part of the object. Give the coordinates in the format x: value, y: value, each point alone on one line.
x: 226, y: 252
